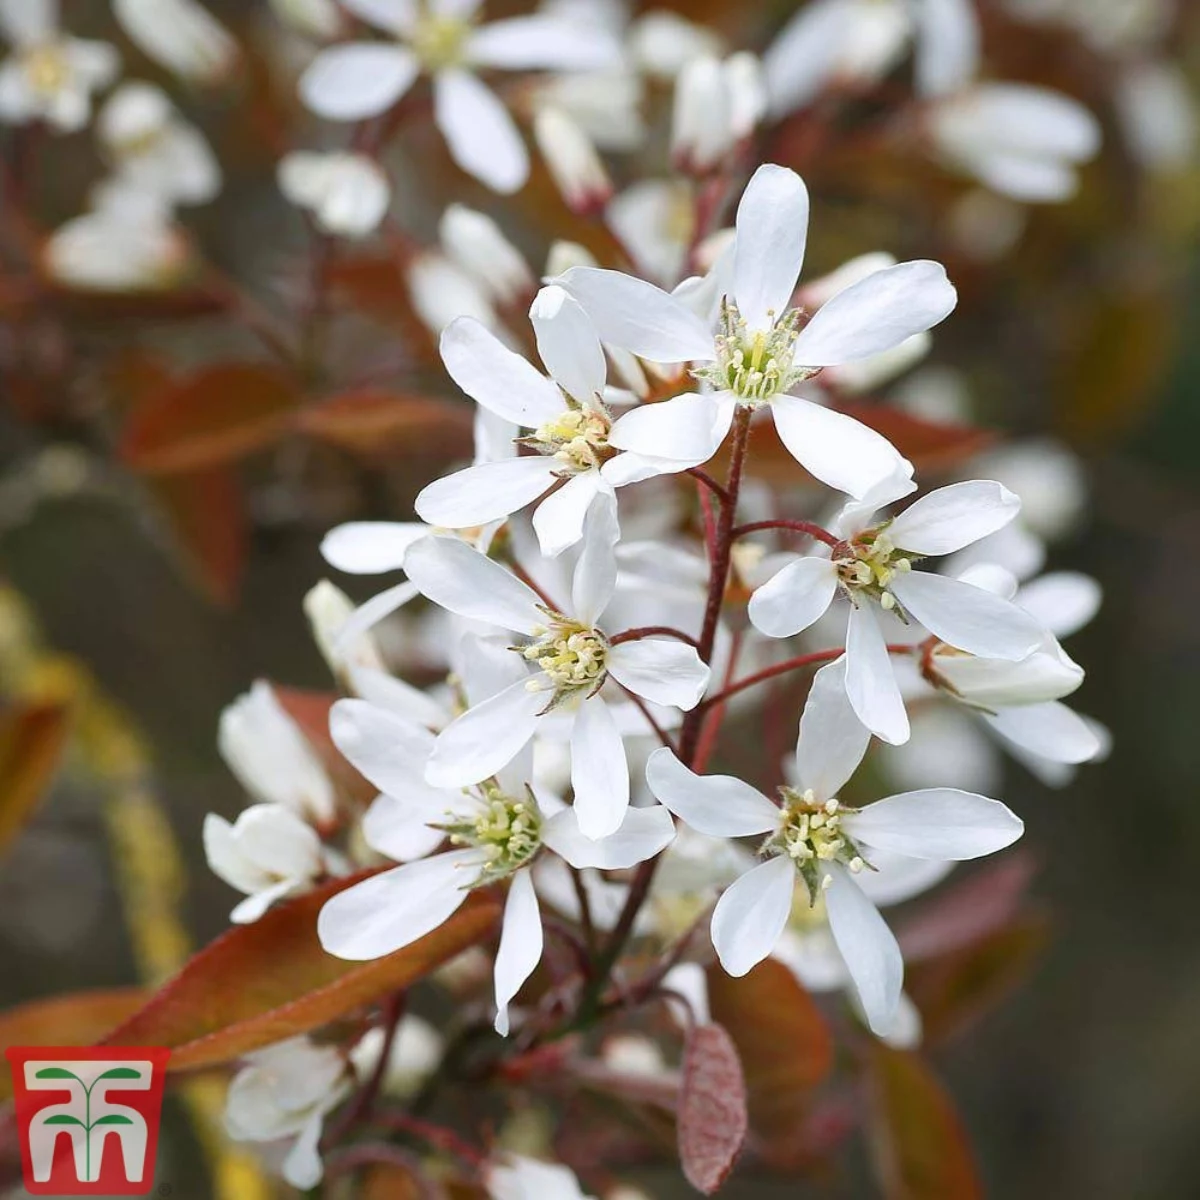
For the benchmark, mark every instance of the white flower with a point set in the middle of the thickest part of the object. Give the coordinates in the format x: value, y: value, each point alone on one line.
x: 717, y: 105
x: 271, y: 758
x: 570, y: 658
x: 654, y: 220
x: 606, y: 105
x: 663, y: 42
x: 574, y: 164
x: 497, y: 828
x: 758, y: 351
x: 441, y: 292
x: 284, y: 1093
x: 268, y: 853
x: 519, y: 1178
x: 357, y: 80
x: 417, y: 1050
x: 49, y: 76
x: 477, y: 246
x: 814, y: 842
x: 180, y: 35
x: 347, y: 194
x: 872, y: 566
x: 567, y: 415
x: 153, y: 149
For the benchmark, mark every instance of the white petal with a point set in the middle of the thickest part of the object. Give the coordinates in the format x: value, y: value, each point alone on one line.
x: 792, y: 599
x: 302, y: 1166
x: 869, y: 949
x: 26, y: 22
x: 386, y: 691
x: 492, y: 375
x: 477, y: 495
x: 558, y: 520
x: 800, y: 61
x: 1063, y: 601
x: 398, y: 828
x: 876, y: 314
x: 386, y: 749
x: 599, y: 771
x: 938, y: 823
x: 967, y: 617
x: 637, y: 316
x: 357, y: 80
x: 718, y: 805
x: 482, y: 137
x: 521, y: 942
x: 541, y: 43
x: 870, y: 681
x: 453, y: 575
x: 253, y: 907
x: 837, y: 449
x: 370, y: 547
x: 664, y: 670
x: 1034, y: 180
x: 952, y: 517
x: 394, y: 909
x: 642, y: 834
x: 992, y: 683
x: 595, y: 575
x: 391, y: 16
x: 485, y: 738
x: 832, y: 740
x: 568, y: 345
x: 690, y: 428
x: 898, y: 878
x: 772, y: 228
x: 1048, y: 730
x: 370, y: 613
x: 947, y: 46
x: 751, y: 915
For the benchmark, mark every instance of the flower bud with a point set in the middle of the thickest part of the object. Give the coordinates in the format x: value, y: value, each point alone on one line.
x: 573, y: 161
x: 179, y: 35
x: 700, y: 125
x: 475, y: 243
x: 328, y: 609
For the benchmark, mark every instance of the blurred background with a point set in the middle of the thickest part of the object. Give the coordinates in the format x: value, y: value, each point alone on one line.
x: 157, y: 601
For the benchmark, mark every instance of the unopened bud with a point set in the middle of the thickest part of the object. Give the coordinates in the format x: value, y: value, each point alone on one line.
x: 576, y: 167
x: 328, y: 609
x: 700, y: 128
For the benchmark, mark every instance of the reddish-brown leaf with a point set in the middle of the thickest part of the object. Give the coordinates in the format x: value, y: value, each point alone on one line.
x: 784, y: 1042
x: 215, y: 416
x: 955, y: 990
x: 918, y: 1143
x: 31, y: 743
x: 377, y: 423
x: 712, y: 1108
x: 932, y: 445
x: 260, y: 983
x: 207, y: 514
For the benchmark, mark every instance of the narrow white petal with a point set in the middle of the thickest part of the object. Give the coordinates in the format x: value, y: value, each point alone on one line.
x: 599, y: 771
x: 1063, y: 601
x: 642, y: 834
x: 947, y: 46
x: 751, y: 915
x: 485, y: 738
x: 302, y: 1166
x: 967, y: 617
x: 869, y: 949
x: 391, y: 16
x: 392, y: 910
x: 772, y: 228
x: 568, y: 345
x: 876, y: 314
x: 802, y: 59
x: 370, y: 613
x: 492, y: 375
x: 870, y: 681
x: 370, y: 547
x: 398, y: 828
x: 664, y: 670
x: 937, y: 823
x: 388, y: 750
x: 637, y: 316
x: 689, y: 427
x: 521, y: 942
x: 836, y: 449
x: 558, y: 520
x: 453, y: 575
x: 792, y: 599
x: 595, y: 576
x: 357, y: 80
x: 718, y: 805
x: 952, y: 517
x: 482, y: 137
x: 541, y: 42
x: 1050, y: 730
x: 484, y: 493
x: 832, y: 740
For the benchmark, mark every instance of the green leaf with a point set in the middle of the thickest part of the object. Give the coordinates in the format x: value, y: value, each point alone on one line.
x: 56, y: 1073
x: 64, y: 1119
x: 120, y: 1073
x: 113, y: 1118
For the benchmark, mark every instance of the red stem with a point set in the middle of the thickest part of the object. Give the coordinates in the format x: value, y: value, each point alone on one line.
x: 645, y: 631
x: 814, y: 531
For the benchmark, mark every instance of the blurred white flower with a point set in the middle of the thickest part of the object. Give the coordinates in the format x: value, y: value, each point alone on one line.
x: 1158, y: 114
x: 416, y: 1054
x: 180, y: 35
x: 478, y: 247
x: 347, y: 194
x: 328, y: 609
x: 717, y: 104
x: 663, y: 42
x: 320, y: 19
x: 442, y: 291
x: 518, y: 1178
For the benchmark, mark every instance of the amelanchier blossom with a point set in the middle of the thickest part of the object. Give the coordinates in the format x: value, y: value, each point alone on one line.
x: 759, y: 348
x: 814, y: 842
x: 358, y: 80
x: 347, y: 194
x: 871, y: 566
x: 569, y: 657
x: 496, y: 828
x: 180, y: 35
x: 516, y: 1177
x: 48, y: 75
x: 717, y: 105
x: 566, y: 413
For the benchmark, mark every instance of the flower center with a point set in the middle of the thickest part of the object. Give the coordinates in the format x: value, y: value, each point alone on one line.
x: 755, y: 365
x: 577, y: 438
x: 47, y: 69
x: 440, y: 42
x: 868, y: 563
x: 572, y: 655
x: 810, y: 834
x: 507, y: 829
